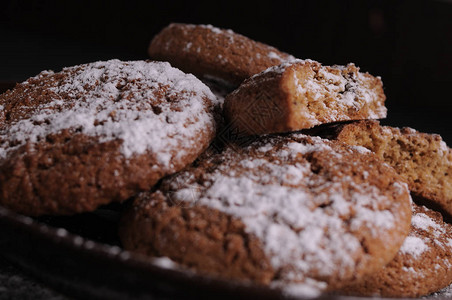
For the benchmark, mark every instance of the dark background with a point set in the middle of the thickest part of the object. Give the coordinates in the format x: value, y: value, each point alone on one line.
x: 407, y: 43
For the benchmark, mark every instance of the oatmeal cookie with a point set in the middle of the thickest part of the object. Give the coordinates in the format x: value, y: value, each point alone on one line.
x: 100, y: 132
x: 214, y: 53
x: 281, y: 211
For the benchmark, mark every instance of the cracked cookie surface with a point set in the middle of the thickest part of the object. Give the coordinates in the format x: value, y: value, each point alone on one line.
x: 283, y: 210
x: 100, y: 132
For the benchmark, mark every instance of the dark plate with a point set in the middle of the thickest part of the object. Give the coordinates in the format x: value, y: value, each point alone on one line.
x: 86, y: 268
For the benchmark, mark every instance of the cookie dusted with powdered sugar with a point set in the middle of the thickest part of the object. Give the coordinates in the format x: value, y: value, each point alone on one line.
x: 301, y: 94
x: 422, y: 266
x: 423, y: 160
x: 282, y: 211
x: 99, y: 132
x: 211, y: 52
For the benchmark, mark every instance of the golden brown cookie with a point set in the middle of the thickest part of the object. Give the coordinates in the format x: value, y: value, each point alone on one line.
x: 423, y: 160
x: 301, y: 94
x: 282, y: 211
x: 422, y: 266
x: 207, y: 51
x: 100, y: 132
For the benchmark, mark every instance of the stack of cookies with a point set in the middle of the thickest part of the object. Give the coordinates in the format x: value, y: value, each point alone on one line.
x: 260, y: 167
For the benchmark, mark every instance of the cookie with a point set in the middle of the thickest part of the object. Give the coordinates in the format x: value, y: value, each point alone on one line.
x: 422, y: 266
x: 100, y: 132
x: 423, y: 160
x: 282, y: 211
x: 301, y: 94
x: 207, y: 51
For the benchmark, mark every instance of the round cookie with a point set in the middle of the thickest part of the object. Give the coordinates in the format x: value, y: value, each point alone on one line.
x: 422, y: 266
x: 215, y: 53
x: 99, y: 132
x: 283, y: 210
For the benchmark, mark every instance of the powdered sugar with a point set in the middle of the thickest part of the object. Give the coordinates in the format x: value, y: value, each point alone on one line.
x: 115, y: 100
x: 343, y: 84
x: 449, y: 242
x: 409, y: 269
x: 348, y: 89
x: 410, y: 130
x: 274, y: 55
x: 422, y: 264
x: 443, y: 147
x: 289, y: 208
x: 361, y: 149
x: 424, y: 222
x: 306, y: 290
x: 416, y: 244
x: 188, y: 46
x: 214, y: 29
x: 401, y: 186
x: 426, y: 234
x: 413, y: 246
